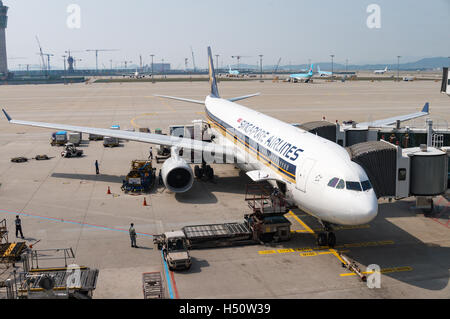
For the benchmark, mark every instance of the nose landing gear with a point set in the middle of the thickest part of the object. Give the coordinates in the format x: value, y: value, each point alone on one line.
x: 327, y: 238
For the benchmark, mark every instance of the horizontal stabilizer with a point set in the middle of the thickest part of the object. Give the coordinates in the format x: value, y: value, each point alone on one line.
x: 181, y: 99
x: 234, y: 99
x: 392, y: 120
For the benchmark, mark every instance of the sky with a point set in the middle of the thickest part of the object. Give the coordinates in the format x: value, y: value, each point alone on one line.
x: 295, y: 30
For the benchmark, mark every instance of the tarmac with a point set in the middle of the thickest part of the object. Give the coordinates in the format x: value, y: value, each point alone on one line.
x: 63, y: 203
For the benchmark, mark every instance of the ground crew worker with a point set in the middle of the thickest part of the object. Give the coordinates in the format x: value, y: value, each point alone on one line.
x: 133, y: 236
x: 96, y: 167
x: 150, y: 157
x: 19, y: 227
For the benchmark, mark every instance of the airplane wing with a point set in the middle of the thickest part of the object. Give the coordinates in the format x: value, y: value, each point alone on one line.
x: 233, y: 99
x: 393, y: 120
x: 150, y: 138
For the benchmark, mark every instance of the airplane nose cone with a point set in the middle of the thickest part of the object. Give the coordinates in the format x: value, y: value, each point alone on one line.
x: 366, y: 210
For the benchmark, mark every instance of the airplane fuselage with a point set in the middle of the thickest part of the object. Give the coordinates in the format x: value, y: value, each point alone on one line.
x: 307, y: 164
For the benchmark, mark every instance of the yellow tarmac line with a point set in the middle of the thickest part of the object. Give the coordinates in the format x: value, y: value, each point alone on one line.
x: 302, y: 223
x: 164, y: 102
x: 383, y: 271
x: 332, y: 251
x: 138, y: 117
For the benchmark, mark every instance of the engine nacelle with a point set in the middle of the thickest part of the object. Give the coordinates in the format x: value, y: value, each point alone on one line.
x: 177, y: 175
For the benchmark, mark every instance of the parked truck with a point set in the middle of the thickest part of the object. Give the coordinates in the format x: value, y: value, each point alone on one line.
x: 175, y: 249
x: 59, y: 138
x: 110, y: 141
x: 74, y: 138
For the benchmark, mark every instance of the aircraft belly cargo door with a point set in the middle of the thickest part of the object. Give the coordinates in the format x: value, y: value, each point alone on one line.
x: 302, y: 173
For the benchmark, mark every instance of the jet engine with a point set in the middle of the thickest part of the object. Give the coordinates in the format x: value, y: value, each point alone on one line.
x: 177, y: 175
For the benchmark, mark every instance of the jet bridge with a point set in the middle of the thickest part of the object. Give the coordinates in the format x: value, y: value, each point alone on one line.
x: 379, y: 160
x: 398, y: 173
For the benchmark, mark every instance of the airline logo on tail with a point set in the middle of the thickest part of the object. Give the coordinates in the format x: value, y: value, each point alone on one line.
x: 212, y: 75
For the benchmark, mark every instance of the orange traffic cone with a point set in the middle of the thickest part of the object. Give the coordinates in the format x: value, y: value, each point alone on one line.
x: 145, y: 202
x: 109, y: 191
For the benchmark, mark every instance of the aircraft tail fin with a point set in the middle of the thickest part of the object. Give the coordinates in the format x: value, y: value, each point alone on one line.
x: 445, y: 88
x: 318, y: 68
x: 311, y: 68
x: 212, y: 75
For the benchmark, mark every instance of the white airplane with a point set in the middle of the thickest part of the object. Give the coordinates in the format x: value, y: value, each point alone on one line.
x: 315, y: 174
x: 135, y: 75
x: 381, y: 71
x: 323, y: 73
x: 445, y: 88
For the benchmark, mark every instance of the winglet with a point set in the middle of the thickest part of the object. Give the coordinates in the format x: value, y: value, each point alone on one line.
x: 426, y: 108
x: 7, y: 115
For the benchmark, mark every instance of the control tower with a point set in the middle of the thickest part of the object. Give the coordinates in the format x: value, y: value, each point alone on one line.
x: 3, y: 25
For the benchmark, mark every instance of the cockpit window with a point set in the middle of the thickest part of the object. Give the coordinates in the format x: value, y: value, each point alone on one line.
x: 354, y: 186
x: 366, y: 185
x: 341, y: 184
x: 333, y: 182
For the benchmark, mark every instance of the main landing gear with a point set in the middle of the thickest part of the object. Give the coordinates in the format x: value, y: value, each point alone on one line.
x: 204, y: 170
x: 327, y: 238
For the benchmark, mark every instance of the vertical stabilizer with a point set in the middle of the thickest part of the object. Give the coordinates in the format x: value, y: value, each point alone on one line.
x: 212, y: 75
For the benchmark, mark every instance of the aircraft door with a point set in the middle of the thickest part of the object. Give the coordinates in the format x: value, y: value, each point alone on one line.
x: 302, y: 173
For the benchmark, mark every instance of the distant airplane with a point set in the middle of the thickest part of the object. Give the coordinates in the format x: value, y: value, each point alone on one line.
x: 302, y: 77
x: 445, y: 88
x: 232, y: 72
x: 134, y: 75
x: 381, y: 71
x: 323, y: 73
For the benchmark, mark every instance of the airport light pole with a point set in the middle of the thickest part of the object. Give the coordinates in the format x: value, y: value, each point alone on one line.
x: 186, y: 68
x: 217, y: 61
x: 346, y: 65
x: 162, y: 65
x: 332, y: 70
x: 64, y: 59
x: 260, y: 68
x: 153, y: 80
x: 398, y: 67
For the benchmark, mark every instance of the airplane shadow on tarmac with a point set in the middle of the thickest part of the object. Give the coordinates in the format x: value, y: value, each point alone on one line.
x: 428, y: 263
x: 91, y: 177
x: 202, y: 192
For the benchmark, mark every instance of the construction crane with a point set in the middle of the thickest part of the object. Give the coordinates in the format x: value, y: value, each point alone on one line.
x: 276, y: 67
x: 44, y: 68
x: 238, y: 57
x: 96, y: 54
x: 193, y: 60
x: 41, y: 53
x: 126, y: 63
